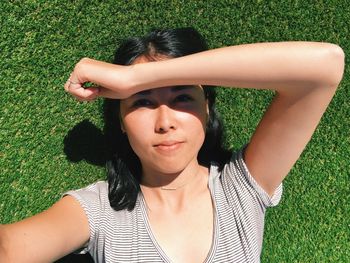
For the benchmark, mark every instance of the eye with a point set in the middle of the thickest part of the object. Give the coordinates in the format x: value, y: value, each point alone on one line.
x: 183, y: 98
x: 142, y: 103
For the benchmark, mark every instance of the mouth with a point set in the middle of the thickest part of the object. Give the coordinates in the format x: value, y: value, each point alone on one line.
x: 168, y: 145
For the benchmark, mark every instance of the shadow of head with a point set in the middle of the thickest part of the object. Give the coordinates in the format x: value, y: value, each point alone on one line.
x: 85, y: 142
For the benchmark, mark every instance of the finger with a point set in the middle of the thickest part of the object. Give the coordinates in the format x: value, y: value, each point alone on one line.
x: 78, y: 90
x: 95, y: 93
x: 66, y: 86
x: 72, y: 80
x: 85, y: 94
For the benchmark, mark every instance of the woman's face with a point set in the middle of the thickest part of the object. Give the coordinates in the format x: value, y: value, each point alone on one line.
x: 165, y: 126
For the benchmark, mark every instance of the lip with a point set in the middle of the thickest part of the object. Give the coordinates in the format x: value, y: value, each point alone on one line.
x: 168, y: 145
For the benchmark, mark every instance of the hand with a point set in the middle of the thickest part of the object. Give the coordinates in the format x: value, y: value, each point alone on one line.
x: 109, y: 80
x: 77, y: 90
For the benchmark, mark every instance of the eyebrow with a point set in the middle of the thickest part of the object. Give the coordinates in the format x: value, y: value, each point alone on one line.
x: 173, y: 89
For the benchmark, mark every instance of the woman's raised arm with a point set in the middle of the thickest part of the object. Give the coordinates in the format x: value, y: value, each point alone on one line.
x: 304, y: 75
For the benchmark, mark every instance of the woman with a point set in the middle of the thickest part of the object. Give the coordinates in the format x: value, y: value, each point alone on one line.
x: 173, y: 193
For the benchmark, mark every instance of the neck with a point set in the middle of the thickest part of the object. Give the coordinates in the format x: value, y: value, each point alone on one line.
x: 174, y: 190
x: 166, y: 179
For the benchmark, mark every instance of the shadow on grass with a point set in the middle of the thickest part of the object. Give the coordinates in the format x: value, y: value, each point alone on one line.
x: 85, y: 142
x: 76, y: 258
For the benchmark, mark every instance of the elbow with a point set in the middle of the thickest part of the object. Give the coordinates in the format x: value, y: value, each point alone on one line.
x: 335, y: 63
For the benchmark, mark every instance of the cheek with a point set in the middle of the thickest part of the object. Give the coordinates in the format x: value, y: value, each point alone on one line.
x: 138, y: 129
x: 137, y: 143
x: 194, y: 128
x: 200, y: 118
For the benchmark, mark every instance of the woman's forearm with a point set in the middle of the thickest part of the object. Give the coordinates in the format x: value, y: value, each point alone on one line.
x: 279, y: 66
x: 284, y: 66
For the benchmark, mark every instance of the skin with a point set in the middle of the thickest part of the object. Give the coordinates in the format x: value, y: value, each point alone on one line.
x: 173, y: 124
x: 304, y: 76
x: 173, y: 121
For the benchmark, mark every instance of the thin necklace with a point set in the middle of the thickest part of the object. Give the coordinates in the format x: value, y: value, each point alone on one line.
x: 173, y: 188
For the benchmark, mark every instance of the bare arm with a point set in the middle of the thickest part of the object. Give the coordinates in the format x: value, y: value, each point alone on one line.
x: 281, y: 66
x: 304, y: 75
x: 45, y: 237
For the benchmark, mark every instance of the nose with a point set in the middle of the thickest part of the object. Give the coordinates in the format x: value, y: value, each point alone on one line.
x: 165, y: 120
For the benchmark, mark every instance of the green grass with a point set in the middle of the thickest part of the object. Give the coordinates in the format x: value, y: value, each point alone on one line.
x: 42, y: 40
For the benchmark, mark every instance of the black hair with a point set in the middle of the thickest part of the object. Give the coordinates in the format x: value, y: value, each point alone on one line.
x: 123, y: 165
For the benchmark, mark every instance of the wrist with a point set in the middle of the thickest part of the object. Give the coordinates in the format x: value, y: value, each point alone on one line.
x: 81, y: 70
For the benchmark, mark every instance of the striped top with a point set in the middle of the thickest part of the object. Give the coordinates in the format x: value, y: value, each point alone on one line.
x: 126, y: 236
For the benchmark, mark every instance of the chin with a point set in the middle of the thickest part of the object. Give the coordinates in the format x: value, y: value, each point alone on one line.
x: 170, y: 166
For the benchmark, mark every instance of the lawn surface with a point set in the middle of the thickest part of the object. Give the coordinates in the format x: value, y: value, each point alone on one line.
x: 49, y: 143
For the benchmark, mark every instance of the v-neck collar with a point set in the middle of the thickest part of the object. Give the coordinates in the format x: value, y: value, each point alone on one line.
x: 215, y: 234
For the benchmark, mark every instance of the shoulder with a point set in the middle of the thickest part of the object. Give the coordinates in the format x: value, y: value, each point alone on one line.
x: 104, y: 222
x: 94, y: 194
x: 237, y: 181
